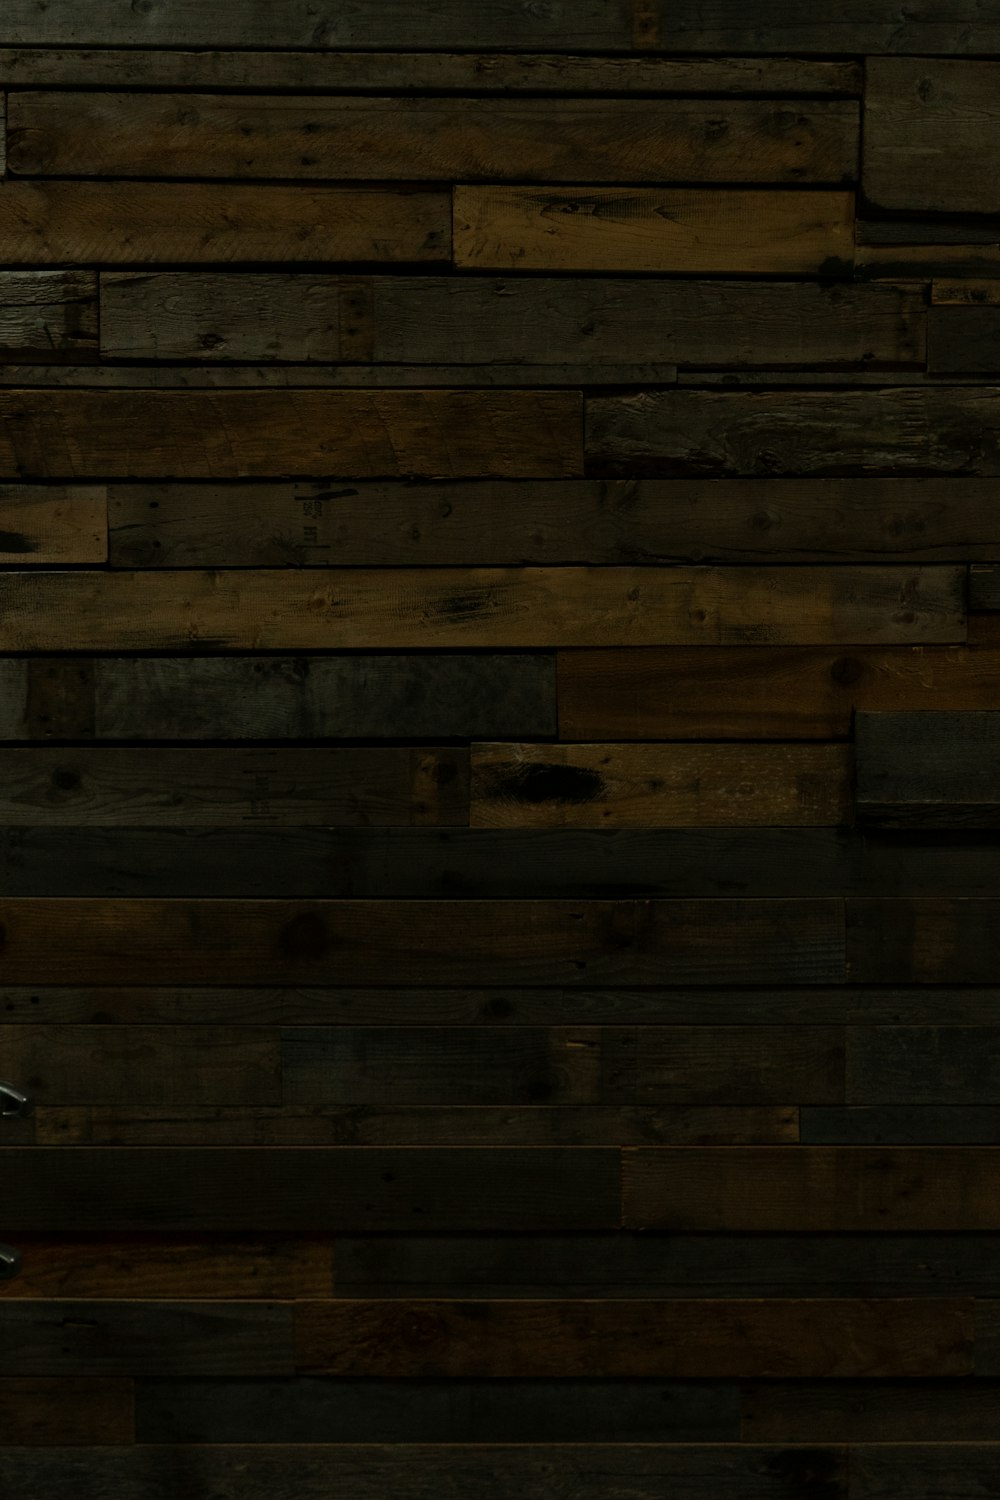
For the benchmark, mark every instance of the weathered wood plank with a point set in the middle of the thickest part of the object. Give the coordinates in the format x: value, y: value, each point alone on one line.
x: 889, y: 1471
x: 854, y: 27
x: 963, y: 339
x: 751, y: 692
x: 539, y: 321
x: 901, y: 1125
x: 275, y: 1189
x: 556, y: 521
x: 241, y: 434
x: 423, y: 608
x: 984, y: 587
x: 936, y: 430
x: 202, y: 223
x: 53, y: 523
x: 929, y: 770
x: 813, y: 1188
x: 63, y: 134
x: 871, y: 1413
x: 642, y: 786
x: 172, y: 1266
x: 47, y: 315
x: 348, y: 377
x: 653, y: 229
x: 922, y: 1065
x: 533, y: 1471
x: 417, y: 942
x: 923, y: 940
x: 105, y: 1337
x: 925, y: 259
x: 111, y: 787
x: 40, y: 1412
x: 930, y: 126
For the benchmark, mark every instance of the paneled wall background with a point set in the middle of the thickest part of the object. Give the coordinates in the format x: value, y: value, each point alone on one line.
x: 500, y: 701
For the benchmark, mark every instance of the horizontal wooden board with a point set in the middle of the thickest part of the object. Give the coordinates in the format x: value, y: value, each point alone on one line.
x: 419, y: 1125
x: 929, y: 131
x: 278, y: 698
x: 212, y: 788
x: 984, y: 586
x: 318, y: 1410
x: 533, y: 1471
x: 642, y: 786
x: 923, y: 940
x: 53, y: 523
x: 161, y: 1265
x: 540, y: 321
x: 48, y: 314
x: 240, y: 434
x: 855, y: 27
x: 275, y: 1189
x: 295, y: 610
x: 751, y: 692
x: 923, y: 1064
x: 418, y: 942
x: 40, y: 1412
x: 813, y: 1188
x: 147, y: 223
x: 345, y: 377
x: 189, y: 135
x: 726, y: 231
x: 686, y: 1338
x: 864, y: 1412
x: 498, y: 522
x: 902, y: 1124
x: 935, y: 431
x: 929, y: 1471
x: 145, y: 1338
x: 924, y: 257
x: 963, y: 339
x: 929, y: 770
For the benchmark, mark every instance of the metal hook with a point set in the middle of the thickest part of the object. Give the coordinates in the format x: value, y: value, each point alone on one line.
x: 13, y: 1104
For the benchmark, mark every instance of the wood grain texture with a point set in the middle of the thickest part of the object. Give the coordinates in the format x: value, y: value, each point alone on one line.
x: 426, y: 140
x: 347, y: 609
x: 923, y: 939
x: 169, y: 1266
x: 864, y: 1412
x: 984, y: 586
x: 963, y: 338
x: 163, y: 434
x: 925, y: 770
x: 50, y: 524
x: 932, y: 1471
x: 48, y: 314
x: 199, y: 223
x: 37, y: 1412
x: 908, y: 1124
x: 731, y: 232
x: 616, y: 786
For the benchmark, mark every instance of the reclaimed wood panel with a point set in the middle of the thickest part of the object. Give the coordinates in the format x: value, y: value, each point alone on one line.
x: 923, y: 939
x: 53, y: 524
x: 39, y: 1412
x: 48, y: 314
x: 930, y: 1471
x: 922, y: 1064
x: 929, y: 770
x: 167, y: 1266
x: 295, y: 610
x: 674, y: 230
x: 869, y: 1412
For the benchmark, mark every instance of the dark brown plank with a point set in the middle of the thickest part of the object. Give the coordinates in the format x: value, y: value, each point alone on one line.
x: 53, y: 523
x: 963, y: 340
x: 542, y: 321
x: 759, y: 692
x: 63, y: 134
x: 352, y: 377
x: 218, y: 787
x: 813, y: 1188
x: 686, y: 1338
x: 925, y: 258
x: 447, y: 942
x: 164, y: 434
x: 929, y: 770
x: 984, y: 587
x: 423, y: 608
x: 923, y: 940
x: 202, y: 223
x: 48, y: 314
x: 727, y: 232
x: 854, y: 27
x: 158, y: 1266
x: 275, y: 1189
x: 922, y: 1064
x: 934, y: 431
x: 866, y: 1412
x: 39, y: 1412
x: 901, y: 1125
x: 928, y: 1471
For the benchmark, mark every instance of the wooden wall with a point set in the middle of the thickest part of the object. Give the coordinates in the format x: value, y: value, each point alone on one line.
x: 500, y: 629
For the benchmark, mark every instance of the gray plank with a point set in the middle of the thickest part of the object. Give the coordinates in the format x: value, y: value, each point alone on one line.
x: 963, y: 340
x: 921, y: 1471
x: 928, y: 770
x: 854, y: 26
x: 984, y: 587
x: 48, y: 315
x: 901, y: 1125
x: 923, y: 1065
x: 846, y: 1411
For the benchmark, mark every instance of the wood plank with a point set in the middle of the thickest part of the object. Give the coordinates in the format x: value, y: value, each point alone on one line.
x: 923, y: 939
x: 533, y: 1471
x: 435, y: 1411
x: 629, y: 1265
x: 106, y: 1337
x: 863, y: 1412
x: 922, y: 1064
x: 930, y: 1471
x: 65, y: 134
x: 419, y: 1125
x: 933, y: 431
x: 684, y: 230
x: 557, y: 521
x: 40, y: 1412
x: 929, y: 131
x: 966, y: 292
x: 901, y: 1125
x: 389, y: 785
x: 679, y: 1339
x: 749, y: 692
x: 926, y: 259
x: 202, y: 223
x: 655, y: 1065
x: 540, y: 321
x: 963, y: 339
x: 153, y: 1065
x: 241, y: 434
x: 641, y: 786
x: 352, y: 377
x: 48, y: 315
x: 855, y: 27
x: 447, y: 942
x: 53, y: 523
x: 813, y: 1188
x: 276, y: 1189
x: 984, y: 587
x: 423, y: 608
x: 987, y: 1336
x: 172, y: 1266
x: 928, y: 770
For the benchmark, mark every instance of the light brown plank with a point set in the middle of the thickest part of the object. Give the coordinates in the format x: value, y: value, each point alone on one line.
x: 53, y: 524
